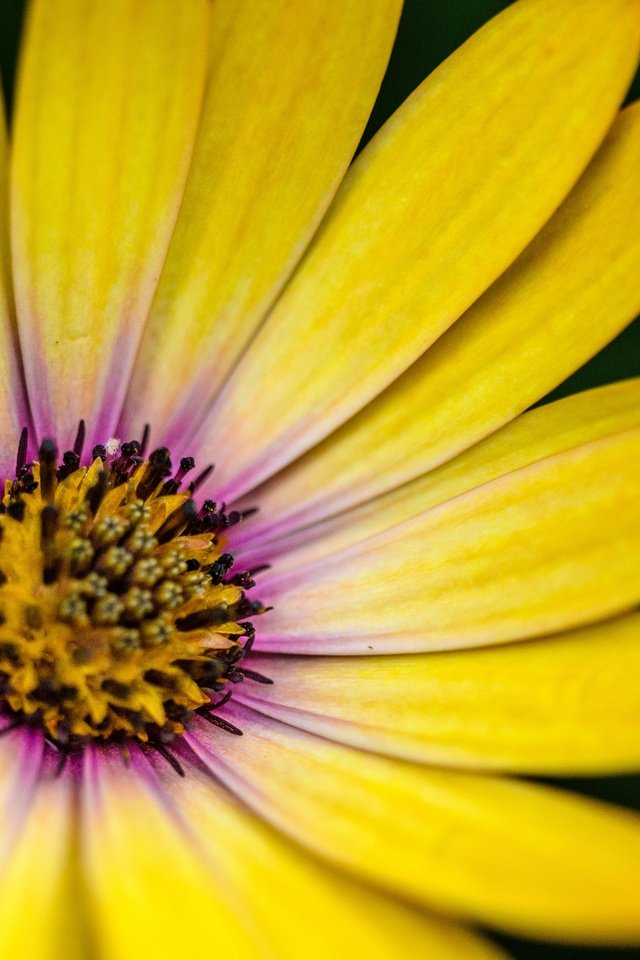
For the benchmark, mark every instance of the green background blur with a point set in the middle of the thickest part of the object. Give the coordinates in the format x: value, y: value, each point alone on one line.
x: 429, y: 31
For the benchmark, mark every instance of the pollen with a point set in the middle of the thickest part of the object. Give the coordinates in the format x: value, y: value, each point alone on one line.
x: 119, y: 615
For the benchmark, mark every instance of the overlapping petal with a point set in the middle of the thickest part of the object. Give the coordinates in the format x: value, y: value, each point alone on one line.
x: 196, y: 868
x: 574, y: 288
x: 17, y: 778
x: 289, y: 91
x: 37, y: 859
x: 13, y: 407
x: 138, y: 863
x: 296, y: 903
x: 513, y: 855
x: 434, y: 210
x: 108, y: 103
x: 542, y: 549
x: 563, y: 705
x: 543, y: 432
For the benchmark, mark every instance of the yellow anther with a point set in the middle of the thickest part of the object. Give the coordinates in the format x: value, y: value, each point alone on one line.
x: 109, y: 530
x: 146, y: 572
x: 114, y: 562
x: 108, y: 609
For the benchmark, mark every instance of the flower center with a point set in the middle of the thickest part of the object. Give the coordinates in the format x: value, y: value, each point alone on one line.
x: 119, y: 617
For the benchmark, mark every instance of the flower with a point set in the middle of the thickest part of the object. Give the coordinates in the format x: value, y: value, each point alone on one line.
x: 452, y: 580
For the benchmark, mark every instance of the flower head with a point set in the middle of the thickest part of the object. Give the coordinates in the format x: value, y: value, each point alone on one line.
x: 267, y: 710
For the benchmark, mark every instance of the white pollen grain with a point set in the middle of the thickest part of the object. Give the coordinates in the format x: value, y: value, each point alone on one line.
x: 112, y: 446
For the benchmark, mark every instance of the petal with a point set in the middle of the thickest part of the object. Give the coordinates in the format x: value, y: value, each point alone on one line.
x: 297, y: 904
x: 161, y: 848
x: 139, y: 863
x: 543, y: 432
x: 104, y: 135
x: 13, y: 408
x: 573, y: 289
x: 288, y: 96
x: 528, y: 859
x: 20, y: 763
x: 39, y: 881
x: 563, y: 705
x: 542, y: 549
x: 435, y: 209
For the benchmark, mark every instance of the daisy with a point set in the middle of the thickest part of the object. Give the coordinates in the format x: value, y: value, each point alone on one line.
x: 286, y: 708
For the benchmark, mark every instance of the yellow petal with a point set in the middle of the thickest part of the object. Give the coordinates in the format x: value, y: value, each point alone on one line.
x: 195, y: 869
x: 563, y: 705
x: 528, y: 859
x: 434, y: 210
x: 13, y: 409
x: 547, y: 547
x: 37, y: 865
x: 20, y: 761
x: 299, y: 906
x: 570, y: 292
x: 108, y: 104
x: 290, y: 89
x: 140, y: 863
x: 543, y: 432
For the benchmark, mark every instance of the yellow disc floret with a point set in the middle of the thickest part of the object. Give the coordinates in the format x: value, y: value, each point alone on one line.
x: 117, y: 614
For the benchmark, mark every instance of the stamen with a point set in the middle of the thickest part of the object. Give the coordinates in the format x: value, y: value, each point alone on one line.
x: 21, y: 458
x: 122, y: 620
x: 222, y: 723
x: 200, y: 479
x: 78, y: 445
x: 203, y: 618
x: 177, y: 521
x: 254, y: 675
x: 168, y: 756
x: 144, y: 443
x: 158, y: 467
x: 48, y: 454
x: 97, y: 492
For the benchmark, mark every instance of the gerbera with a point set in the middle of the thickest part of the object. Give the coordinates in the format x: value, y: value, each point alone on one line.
x: 184, y: 248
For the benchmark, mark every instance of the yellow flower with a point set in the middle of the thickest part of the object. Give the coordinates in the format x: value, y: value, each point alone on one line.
x: 182, y: 246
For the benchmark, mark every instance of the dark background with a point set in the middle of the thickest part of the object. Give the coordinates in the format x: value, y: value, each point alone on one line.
x: 429, y: 31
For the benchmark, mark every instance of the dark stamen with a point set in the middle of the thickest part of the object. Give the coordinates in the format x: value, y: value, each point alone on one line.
x: 168, y: 756
x: 48, y: 528
x: 70, y: 463
x: 16, y: 509
x: 78, y: 445
x: 145, y: 439
x: 255, y: 676
x: 200, y: 479
x: 220, y: 568
x: 130, y: 449
x: 48, y: 455
x: 158, y: 468
x: 244, y: 580
x: 250, y: 633
x: 21, y: 458
x: 216, y: 704
x: 160, y: 679
x: 223, y: 724
x: 97, y: 492
x: 213, y: 616
x: 48, y: 525
x: 173, y: 485
x: 176, y: 521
